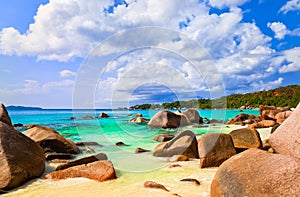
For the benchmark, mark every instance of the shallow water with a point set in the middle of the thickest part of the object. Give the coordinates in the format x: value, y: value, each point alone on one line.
x: 132, y: 169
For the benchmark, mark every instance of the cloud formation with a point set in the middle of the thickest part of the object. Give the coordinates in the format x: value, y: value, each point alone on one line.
x: 291, y: 5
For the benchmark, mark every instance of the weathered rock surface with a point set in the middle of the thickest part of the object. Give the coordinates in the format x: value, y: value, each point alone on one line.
x: 214, y: 149
x: 242, y: 119
x: 286, y: 139
x: 98, y: 170
x: 163, y: 137
x: 281, y: 116
x: 193, y: 116
x: 139, y: 120
x: 263, y: 124
x: 269, y: 112
x: 257, y: 173
x: 85, y: 160
x: 50, y: 140
x: 175, y: 158
x: 167, y: 119
x: 4, y: 117
x: 184, y: 143
x: 152, y: 184
x: 246, y: 138
x: 21, y: 159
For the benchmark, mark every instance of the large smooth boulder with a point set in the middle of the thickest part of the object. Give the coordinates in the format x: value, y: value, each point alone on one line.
x: 242, y: 119
x: 193, y: 116
x: 21, y: 159
x: 257, y: 173
x: 184, y: 143
x: 167, y: 119
x: 281, y: 116
x: 214, y: 149
x: 246, y: 138
x: 4, y: 117
x: 50, y: 140
x: 84, y: 160
x: 286, y: 139
x: 99, y: 170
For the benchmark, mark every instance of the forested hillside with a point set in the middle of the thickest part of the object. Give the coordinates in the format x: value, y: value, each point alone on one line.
x: 280, y: 97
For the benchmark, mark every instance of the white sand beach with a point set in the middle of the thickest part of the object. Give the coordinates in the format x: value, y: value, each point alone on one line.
x: 132, y: 183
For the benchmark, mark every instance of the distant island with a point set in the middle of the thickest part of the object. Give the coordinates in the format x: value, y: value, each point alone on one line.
x: 12, y: 107
x: 280, y: 97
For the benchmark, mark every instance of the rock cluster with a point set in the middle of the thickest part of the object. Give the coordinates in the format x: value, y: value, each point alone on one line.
x: 256, y: 172
x: 21, y: 159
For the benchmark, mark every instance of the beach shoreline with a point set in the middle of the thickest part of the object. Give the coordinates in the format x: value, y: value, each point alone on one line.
x: 131, y: 183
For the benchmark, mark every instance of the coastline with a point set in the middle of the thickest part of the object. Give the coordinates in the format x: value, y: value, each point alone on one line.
x: 130, y: 183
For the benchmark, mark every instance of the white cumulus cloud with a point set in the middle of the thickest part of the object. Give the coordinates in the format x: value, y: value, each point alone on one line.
x: 279, y: 29
x: 291, y: 5
x: 67, y: 73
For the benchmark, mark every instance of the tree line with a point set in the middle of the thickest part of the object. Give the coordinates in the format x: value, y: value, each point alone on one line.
x: 279, y: 97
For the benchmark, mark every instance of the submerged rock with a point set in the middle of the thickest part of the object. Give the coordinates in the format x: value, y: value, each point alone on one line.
x: 50, y: 140
x: 141, y: 150
x: 21, y: 159
x: 184, y: 143
x: 256, y: 172
x: 98, y: 170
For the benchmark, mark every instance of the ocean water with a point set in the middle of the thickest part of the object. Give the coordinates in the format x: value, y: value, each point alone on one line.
x: 132, y: 169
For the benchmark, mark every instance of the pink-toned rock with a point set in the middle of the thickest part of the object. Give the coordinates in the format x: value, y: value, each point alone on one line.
x: 256, y: 172
x: 214, y: 149
x: 167, y: 119
x: 193, y: 116
x: 4, y: 117
x: 21, y: 159
x: 281, y: 116
x: 139, y: 120
x: 286, y: 139
x: 50, y: 140
x: 246, y: 138
x: 98, y: 170
x: 84, y: 160
x: 242, y: 119
x: 184, y: 143
x: 152, y: 184
x: 262, y: 124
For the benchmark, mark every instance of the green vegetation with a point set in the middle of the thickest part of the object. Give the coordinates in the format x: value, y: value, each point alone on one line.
x: 279, y: 97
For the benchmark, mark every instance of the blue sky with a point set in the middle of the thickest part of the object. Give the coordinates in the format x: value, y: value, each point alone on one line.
x: 45, y: 48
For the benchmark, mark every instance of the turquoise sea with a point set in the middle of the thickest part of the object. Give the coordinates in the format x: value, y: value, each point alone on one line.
x: 113, y: 129
x: 132, y: 169
x: 116, y: 128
